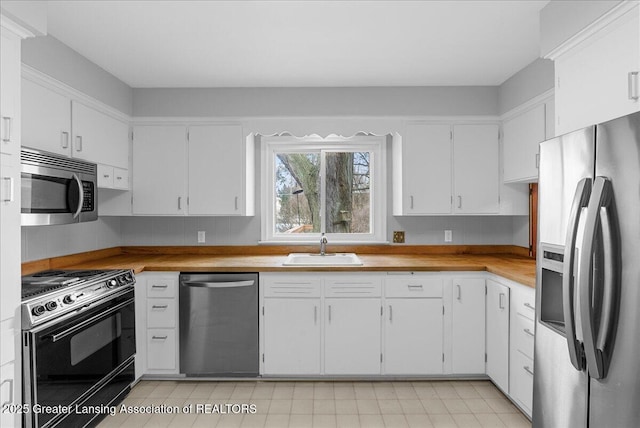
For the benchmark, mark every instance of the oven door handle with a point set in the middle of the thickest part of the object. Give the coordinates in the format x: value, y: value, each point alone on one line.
x: 67, y: 332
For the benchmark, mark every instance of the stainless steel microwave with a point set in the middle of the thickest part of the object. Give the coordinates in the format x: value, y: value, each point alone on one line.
x: 56, y: 189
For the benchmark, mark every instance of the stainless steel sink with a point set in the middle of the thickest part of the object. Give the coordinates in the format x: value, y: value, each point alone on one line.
x: 329, y: 259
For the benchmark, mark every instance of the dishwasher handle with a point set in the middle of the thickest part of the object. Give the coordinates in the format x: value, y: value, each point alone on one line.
x: 212, y: 284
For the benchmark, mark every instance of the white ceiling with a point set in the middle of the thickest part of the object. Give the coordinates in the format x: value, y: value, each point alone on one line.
x: 302, y: 43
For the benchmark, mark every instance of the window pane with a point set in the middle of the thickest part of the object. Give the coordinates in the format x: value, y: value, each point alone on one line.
x: 297, y: 202
x: 348, y: 205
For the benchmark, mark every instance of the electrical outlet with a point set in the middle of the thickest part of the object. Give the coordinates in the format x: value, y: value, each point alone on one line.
x: 201, y: 237
x: 398, y: 236
x: 448, y: 236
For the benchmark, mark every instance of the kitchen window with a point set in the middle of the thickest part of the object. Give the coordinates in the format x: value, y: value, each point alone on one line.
x: 314, y: 185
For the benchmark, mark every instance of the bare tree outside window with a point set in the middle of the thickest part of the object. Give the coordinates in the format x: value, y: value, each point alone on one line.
x: 347, y: 205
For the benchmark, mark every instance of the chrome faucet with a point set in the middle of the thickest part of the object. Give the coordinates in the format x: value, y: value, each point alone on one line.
x: 323, y: 245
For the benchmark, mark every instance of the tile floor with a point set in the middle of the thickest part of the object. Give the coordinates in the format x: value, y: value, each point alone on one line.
x: 300, y: 404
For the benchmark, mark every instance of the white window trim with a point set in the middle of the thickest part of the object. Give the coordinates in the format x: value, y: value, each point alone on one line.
x: 378, y: 181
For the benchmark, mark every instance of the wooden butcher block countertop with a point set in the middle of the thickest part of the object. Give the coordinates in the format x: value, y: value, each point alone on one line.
x: 507, y: 261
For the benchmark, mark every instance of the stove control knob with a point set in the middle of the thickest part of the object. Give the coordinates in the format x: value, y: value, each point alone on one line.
x: 69, y: 298
x: 50, y: 306
x: 112, y: 283
x: 38, y: 310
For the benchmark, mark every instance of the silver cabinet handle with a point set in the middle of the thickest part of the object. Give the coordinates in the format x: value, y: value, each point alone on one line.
x: 411, y: 204
x: 236, y: 203
x: 6, y: 123
x: 390, y: 313
x: 415, y: 286
x: 64, y: 139
x: 159, y: 337
x: 315, y: 315
x: 179, y: 202
x: 501, y: 301
x: 10, y: 188
x: 528, y: 370
x: 118, y: 177
x: 526, y: 330
x: 528, y: 305
x: 106, y: 175
x: 459, y: 291
x: 159, y: 286
x: 537, y: 160
x: 633, y: 85
x: 10, y: 399
x: 459, y: 201
x: 329, y: 313
x: 159, y: 306
x: 78, y: 143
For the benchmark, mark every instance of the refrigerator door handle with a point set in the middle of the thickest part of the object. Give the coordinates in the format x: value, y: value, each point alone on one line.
x: 601, y: 211
x: 580, y: 200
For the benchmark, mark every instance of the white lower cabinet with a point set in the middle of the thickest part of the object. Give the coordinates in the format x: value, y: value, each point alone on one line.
x: 468, y: 325
x: 157, y: 323
x: 413, y: 324
x: 291, y: 336
x: 497, y: 331
x: 352, y: 336
x: 521, y: 348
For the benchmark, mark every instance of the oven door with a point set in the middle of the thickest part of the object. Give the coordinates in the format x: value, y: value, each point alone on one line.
x: 55, y: 196
x: 65, y: 361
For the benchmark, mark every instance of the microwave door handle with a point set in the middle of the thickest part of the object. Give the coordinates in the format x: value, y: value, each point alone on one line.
x: 580, y: 200
x: 599, y: 211
x: 81, y: 193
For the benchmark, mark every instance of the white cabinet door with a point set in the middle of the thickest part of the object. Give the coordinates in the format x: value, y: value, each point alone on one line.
x: 161, y: 349
x: 476, y: 169
x: 10, y: 237
x: 216, y: 170
x: 99, y: 138
x: 159, y: 165
x: 521, y: 136
x: 498, y: 334
x: 10, y: 95
x: 9, y: 394
x: 592, y: 79
x: 352, y: 336
x: 292, y: 336
x: 426, y: 169
x: 468, y: 326
x: 46, y: 119
x: 413, y: 336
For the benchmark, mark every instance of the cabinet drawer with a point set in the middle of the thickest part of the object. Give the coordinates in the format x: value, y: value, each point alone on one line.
x: 353, y: 286
x: 524, y: 335
x: 161, y: 313
x: 522, y: 381
x: 162, y: 287
x: 524, y: 302
x: 293, y: 287
x: 414, y: 286
x: 161, y: 349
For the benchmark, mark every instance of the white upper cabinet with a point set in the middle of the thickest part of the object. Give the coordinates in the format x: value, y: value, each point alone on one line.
x: 423, y: 178
x: 159, y: 165
x: 476, y: 174
x: 521, y: 136
x: 218, y: 171
x: 46, y: 119
x: 54, y: 122
x: 196, y: 170
x: 10, y: 99
x: 99, y: 138
x: 597, y: 79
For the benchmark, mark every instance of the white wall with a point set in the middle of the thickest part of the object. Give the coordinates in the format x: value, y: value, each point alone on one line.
x: 39, y: 242
x: 533, y: 80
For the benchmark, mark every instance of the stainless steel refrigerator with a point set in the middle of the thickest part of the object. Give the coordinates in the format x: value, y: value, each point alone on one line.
x: 587, y: 338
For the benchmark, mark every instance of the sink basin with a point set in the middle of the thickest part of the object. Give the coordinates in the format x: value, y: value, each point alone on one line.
x: 329, y: 259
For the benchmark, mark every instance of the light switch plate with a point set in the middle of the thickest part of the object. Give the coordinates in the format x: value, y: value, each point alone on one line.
x: 448, y: 236
x: 201, y: 237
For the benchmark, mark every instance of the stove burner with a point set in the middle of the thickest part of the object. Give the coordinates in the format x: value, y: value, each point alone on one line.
x: 47, y: 273
x: 30, y: 290
x: 83, y: 273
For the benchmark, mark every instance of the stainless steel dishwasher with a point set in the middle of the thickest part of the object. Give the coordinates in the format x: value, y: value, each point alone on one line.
x: 219, y: 324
